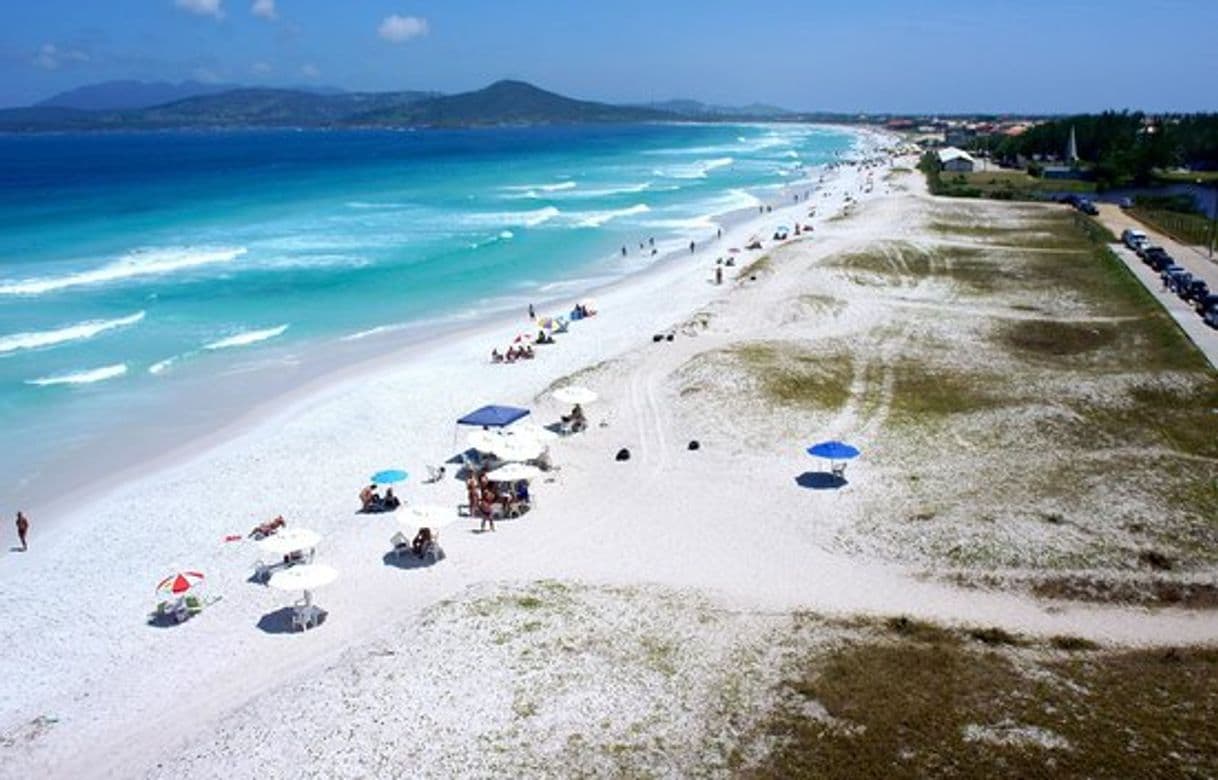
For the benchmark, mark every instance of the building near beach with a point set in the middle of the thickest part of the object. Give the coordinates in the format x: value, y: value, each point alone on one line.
x: 956, y: 160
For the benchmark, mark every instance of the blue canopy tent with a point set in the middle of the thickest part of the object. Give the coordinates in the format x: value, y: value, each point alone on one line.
x: 493, y: 416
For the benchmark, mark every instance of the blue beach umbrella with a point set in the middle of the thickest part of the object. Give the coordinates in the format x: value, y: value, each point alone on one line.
x: 833, y: 450
x: 389, y: 476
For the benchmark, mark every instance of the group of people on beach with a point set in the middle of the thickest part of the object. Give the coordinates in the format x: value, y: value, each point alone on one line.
x: 514, y: 353
x: 522, y: 349
x: 482, y: 498
x: 372, y: 502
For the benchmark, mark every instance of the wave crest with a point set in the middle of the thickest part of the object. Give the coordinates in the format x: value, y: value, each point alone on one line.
x: 81, y: 377
x: 246, y: 338
x: 50, y: 338
x: 135, y: 264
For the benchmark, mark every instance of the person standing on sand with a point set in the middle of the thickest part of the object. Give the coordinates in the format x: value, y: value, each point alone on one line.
x: 532, y: 313
x: 23, y: 528
x: 691, y: 247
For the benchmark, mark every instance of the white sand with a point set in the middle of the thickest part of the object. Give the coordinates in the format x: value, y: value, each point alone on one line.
x: 727, y: 522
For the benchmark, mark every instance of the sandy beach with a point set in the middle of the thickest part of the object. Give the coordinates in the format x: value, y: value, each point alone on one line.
x: 488, y: 662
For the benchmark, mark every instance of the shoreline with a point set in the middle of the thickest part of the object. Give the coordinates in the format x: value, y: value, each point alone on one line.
x: 91, y: 478
x: 132, y: 696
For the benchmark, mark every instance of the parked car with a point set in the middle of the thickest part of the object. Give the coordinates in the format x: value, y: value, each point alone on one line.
x: 1125, y: 203
x: 1206, y: 302
x: 1159, y: 260
x: 1211, y: 316
x: 1146, y: 247
x: 1133, y: 238
x: 1176, y: 279
x: 1196, y: 290
x: 1087, y: 207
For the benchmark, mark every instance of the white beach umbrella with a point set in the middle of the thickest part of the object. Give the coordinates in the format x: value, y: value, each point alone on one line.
x: 533, y: 431
x: 427, y: 516
x: 514, y: 472
x: 484, y: 441
x: 518, y: 448
x: 306, y: 577
x: 290, y: 540
x: 573, y: 394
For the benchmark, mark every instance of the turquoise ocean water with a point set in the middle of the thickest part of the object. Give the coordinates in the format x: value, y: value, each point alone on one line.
x: 133, y: 264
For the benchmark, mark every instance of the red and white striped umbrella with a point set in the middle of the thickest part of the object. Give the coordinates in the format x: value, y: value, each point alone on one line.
x: 179, y: 583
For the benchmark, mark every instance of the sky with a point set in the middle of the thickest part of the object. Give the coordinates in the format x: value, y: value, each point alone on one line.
x: 933, y: 56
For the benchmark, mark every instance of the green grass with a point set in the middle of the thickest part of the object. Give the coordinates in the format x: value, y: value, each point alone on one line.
x: 791, y: 375
x: 1053, y: 339
x: 923, y: 392
x: 762, y: 265
x: 1193, y: 229
x: 1187, y: 176
x: 906, y: 708
x: 967, y: 267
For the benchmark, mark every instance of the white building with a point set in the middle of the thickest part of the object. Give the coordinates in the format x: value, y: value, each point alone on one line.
x: 956, y: 160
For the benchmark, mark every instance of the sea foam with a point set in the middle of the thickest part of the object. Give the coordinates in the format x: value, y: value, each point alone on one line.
x: 81, y: 377
x: 140, y: 263
x: 50, y: 338
x: 598, y: 218
x: 246, y: 338
x: 698, y: 170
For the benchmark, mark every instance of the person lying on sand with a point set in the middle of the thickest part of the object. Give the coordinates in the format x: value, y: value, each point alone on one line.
x: 268, y: 528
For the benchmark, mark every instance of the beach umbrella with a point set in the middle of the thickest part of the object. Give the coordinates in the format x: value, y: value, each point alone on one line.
x: 306, y: 577
x: 430, y: 516
x: 533, y: 431
x: 514, y: 472
x: 389, y: 476
x: 573, y: 394
x: 290, y: 540
x: 518, y: 447
x: 833, y: 450
x: 484, y: 441
x: 178, y: 584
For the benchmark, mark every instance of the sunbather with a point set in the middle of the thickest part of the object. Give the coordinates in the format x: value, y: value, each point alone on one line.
x: 268, y: 528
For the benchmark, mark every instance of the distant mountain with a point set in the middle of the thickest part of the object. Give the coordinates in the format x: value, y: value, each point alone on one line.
x: 504, y: 102
x: 271, y: 108
x: 123, y: 95
x: 696, y: 109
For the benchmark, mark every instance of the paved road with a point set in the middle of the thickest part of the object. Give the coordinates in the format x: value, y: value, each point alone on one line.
x: 1205, y: 337
x: 1191, y: 258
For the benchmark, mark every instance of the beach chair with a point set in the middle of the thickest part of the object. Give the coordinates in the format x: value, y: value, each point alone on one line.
x: 435, y: 473
x: 306, y: 616
x: 433, y: 550
x: 401, y: 545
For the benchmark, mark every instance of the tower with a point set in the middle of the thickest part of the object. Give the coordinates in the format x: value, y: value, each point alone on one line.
x: 1072, y: 148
